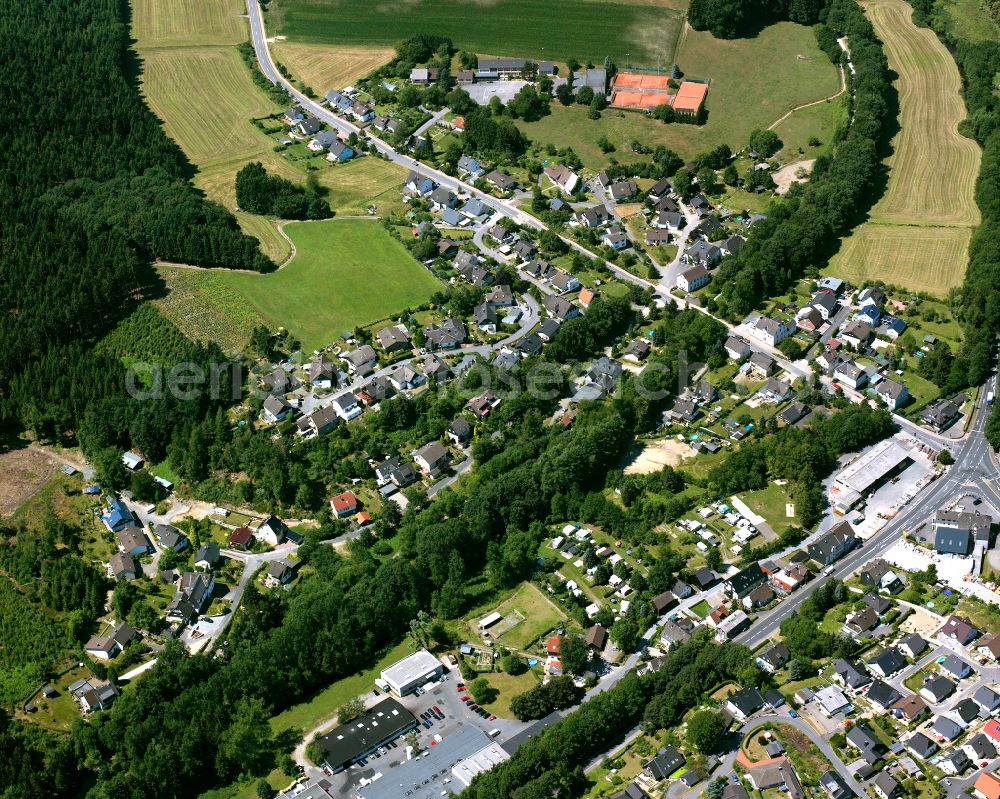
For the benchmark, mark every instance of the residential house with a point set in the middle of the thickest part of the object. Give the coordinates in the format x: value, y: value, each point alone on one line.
x: 362, y: 361
x: 693, y: 278
x: 850, y: 675
x: 467, y: 165
x: 564, y: 178
x: 124, y: 567
x: 775, y: 391
x: 986, y: 786
x: 321, y: 141
x: 745, y: 581
x: 279, y: 572
x: 418, y: 184
x: 743, y: 704
x: 684, y: 411
x: 671, y: 221
x: 459, y: 431
x: 524, y: 249
x: 597, y: 639
x: 442, y: 198
x: 338, y: 151
x: 272, y: 531
x: 887, y: 662
x: 132, y: 541
x: 882, y: 696
x: 703, y: 253
x: 169, y: 537
x: 825, y: 303
x: 956, y: 668
x: 194, y: 592
x: 773, y: 658
x: 655, y: 237
x: 105, y: 647
x: 879, y: 575
x: 548, y: 328
x: 831, y: 701
x: 529, y: 346
x: 667, y: 761
x: 892, y: 394
x: 912, y: 645
x: 960, y: 629
x: 663, y: 602
x: 424, y: 74
x: 594, y: 217
x: 832, y: 546
x: 937, y: 689
x: 862, y: 738
x: 93, y: 695
x: 394, y: 338
x: 586, y: 296
x: 885, y: 786
x: 674, y: 633
x: 447, y: 335
x: 909, y: 708
x: 563, y: 282
x: 761, y: 596
x: 861, y: 624
x: 483, y: 405
x: 921, y: 746
x: 344, y: 504
x: 945, y: 729
x: 559, y: 308
x: 736, y: 348
x: 309, y: 126
x: 604, y: 373
x: 637, y: 349
x: 622, y: 190
x: 241, y: 538
x: 275, y: 409
x: 979, y: 747
x: 941, y: 414
x: 346, y: 406
x: 732, y: 245
x: 614, y: 238
x: 431, y: 458
x: 850, y: 374
x: 776, y: 773
x: 793, y: 413
x: 206, y: 557
x: 808, y: 319
x: 987, y: 698
x: 833, y: 786
x: 501, y: 181
x: 856, y: 333
x: 362, y: 113
x: 659, y: 190
x: 293, y: 116
x: 485, y: 317
x: 771, y: 331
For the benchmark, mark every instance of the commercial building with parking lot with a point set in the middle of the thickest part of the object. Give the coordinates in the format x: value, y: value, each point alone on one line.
x: 349, y: 743
x: 408, y: 674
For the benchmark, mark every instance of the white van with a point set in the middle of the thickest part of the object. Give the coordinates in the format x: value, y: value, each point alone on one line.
x: 493, y: 733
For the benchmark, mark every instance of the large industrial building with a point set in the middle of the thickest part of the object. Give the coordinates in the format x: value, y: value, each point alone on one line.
x: 866, y: 473
x: 408, y: 674
x: 348, y: 743
x: 478, y: 762
x: 431, y: 775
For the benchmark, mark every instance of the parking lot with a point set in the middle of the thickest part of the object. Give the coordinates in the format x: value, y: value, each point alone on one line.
x: 482, y: 93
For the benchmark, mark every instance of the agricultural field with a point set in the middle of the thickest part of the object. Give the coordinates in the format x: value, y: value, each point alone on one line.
x: 742, y: 97
x: 344, y: 273
x: 918, y: 233
x: 644, y: 33
x: 324, y: 67
x: 187, y: 23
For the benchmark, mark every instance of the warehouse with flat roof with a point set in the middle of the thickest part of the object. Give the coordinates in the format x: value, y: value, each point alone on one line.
x: 483, y: 760
x: 408, y: 674
x: 430, y: 775
x: 348, y: 743
x: 867, y: 472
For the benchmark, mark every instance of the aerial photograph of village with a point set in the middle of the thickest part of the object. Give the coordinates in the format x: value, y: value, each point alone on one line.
x: 508, y: 399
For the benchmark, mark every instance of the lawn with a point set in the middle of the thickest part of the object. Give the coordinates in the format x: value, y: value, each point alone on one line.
x: 323, y: 67
x: 770, y: 503
x: 540, y: 616
x: 509, y: 687
x: 701, y: 609
x: 918, y: 233
x: 345, y: 273
x: 644, y: 34
x: 921, y: 390
x: 818, y: 120
x: 985, y: 617
x: 968, y: 20
x: 744, y: 94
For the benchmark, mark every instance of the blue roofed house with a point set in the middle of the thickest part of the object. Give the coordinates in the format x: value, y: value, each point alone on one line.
x: 294, y: 115
x: 470, y: 166
x: 418, y: 184
x: 338, y: 151
x: 869, y: 313
x: 891, y: 328
x: 452, y: 217
x: 117, y: 516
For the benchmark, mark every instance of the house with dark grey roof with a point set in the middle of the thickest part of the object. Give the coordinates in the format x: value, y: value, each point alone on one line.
x: 921, y: 746
x: 834, y: 545
x: 887, y: 662
x: 957, y: 668
x: 946, y: 729
x: 773, y: 658
x: 912, y: 645
x: 745, y: 581
x: 850, y: 675
x: 882, y: 696
x: 937, y: 689
x: 666, y: 762
x: 745, y: 703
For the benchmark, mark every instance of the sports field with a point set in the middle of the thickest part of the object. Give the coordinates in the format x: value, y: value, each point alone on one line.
x: 539, y: 29
x: 918, y: 233
x: 753, y: 83
x: 345, y: 273
x: 325, y: 66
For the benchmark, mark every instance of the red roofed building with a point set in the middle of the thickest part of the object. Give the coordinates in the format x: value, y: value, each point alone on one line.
x: 363, y: 518
x: 987, y: 786
x: 690, y: 97
x: 992, y: 729
x: 241, y: 538
x: 552, y: 645
x: 344, y: 505
x: 586, y: 296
